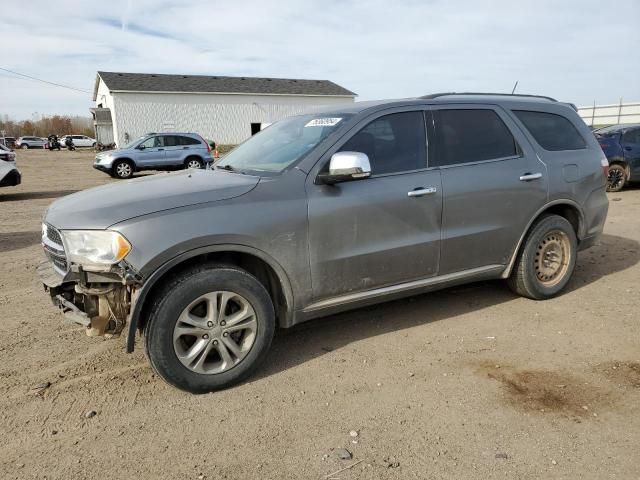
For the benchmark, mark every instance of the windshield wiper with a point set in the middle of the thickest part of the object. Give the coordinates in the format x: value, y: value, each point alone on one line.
x: 229, y: 168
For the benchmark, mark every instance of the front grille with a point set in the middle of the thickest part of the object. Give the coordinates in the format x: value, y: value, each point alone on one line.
x: 54, y: 248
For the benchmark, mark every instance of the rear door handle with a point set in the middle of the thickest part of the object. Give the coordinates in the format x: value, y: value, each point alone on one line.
x: 530, y: 176
x: 419, y: 192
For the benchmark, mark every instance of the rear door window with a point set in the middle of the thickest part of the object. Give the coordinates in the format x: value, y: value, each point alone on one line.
x: 470, y: 135
x: 552, y: 132
x: 170, y: 140
x: 394, y: 143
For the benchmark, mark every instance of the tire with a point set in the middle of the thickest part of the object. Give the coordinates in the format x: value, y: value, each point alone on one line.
x: 191, y: 162
x: 93, y: 145
x: 122, y: 169
x: 171, y: 353
x: 617, y: 177
x: 24, y: 146
x: 546, y: 260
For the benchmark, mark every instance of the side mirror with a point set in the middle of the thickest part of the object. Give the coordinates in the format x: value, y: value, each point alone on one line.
x: 141, y: 147
x: 346, y: 167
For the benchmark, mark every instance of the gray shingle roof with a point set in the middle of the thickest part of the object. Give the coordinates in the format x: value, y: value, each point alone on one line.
x: 152, y: 82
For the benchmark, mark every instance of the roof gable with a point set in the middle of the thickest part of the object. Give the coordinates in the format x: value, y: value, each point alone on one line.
x: 152, y: 82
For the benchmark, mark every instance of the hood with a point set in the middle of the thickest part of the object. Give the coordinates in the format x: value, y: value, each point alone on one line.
x: 104, y: 206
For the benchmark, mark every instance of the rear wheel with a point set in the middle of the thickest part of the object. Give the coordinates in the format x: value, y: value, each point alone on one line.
x: 209, y: 328
x: 547, y: 259
x: 193, y: 162
x: 617, y: 178
x: 122, y: 169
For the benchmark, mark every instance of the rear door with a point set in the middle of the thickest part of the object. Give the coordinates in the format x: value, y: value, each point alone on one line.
x: 630, y: 141
x: 173, y: 152
x: 492, y: 182
x: 385, y: 229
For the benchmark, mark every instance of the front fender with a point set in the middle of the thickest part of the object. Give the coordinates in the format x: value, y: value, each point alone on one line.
x: 157, y: 274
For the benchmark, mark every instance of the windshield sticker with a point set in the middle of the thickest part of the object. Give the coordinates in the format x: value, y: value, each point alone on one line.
x: 323, y: 122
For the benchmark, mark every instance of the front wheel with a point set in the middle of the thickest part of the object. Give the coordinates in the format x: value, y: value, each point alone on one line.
x: 547, y: 259
x: 209, y: 328
x: 122, y: 169
x: 24, y: 146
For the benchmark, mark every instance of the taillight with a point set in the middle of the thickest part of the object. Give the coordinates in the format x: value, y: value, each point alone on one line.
x: 605, y: 167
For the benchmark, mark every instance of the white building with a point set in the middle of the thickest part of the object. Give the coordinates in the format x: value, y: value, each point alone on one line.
x: 225, y: 109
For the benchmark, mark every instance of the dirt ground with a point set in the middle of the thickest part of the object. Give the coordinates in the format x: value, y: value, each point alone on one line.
x: 470, y: 382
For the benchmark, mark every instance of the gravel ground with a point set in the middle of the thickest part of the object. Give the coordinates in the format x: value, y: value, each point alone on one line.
x: 469, y: 382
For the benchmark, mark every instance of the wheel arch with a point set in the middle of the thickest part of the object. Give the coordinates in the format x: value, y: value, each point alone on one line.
x: 565, y: 208
x: 259, y: 264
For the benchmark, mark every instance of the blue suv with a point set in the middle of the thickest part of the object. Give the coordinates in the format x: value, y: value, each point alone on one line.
x: 156, y: 151
x: 621, y: 145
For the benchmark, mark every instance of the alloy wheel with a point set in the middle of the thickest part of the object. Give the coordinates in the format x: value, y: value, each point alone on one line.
x: 215, y: 332
x: 615, y: 179
x: 193, y: 164
x: 123, y: 170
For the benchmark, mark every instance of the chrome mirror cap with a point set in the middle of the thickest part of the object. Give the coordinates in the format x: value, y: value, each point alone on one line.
x: 347, y: 166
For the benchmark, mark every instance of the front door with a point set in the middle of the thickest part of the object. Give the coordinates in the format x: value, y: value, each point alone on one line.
x: 150, y: 153
x: 492, y: 181
x: 382, y: 230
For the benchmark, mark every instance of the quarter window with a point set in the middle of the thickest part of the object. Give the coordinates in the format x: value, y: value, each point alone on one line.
x: 465, y: 135
x: 552, y: 132
x: 394, y: 143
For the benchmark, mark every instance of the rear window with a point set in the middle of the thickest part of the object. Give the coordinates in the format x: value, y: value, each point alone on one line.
x: 464, y: 136
x: 552, y: 132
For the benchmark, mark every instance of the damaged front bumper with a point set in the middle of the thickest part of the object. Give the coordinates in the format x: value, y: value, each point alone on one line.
x: 100, y: 302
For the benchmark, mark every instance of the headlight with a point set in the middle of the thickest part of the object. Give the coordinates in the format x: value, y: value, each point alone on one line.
x: 95, y: 248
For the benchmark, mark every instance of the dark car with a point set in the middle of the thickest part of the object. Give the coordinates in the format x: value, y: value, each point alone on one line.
x: 621, y: 145
x: 323, y: 212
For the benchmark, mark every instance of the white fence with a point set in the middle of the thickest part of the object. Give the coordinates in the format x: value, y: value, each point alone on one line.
x: 610, y: 114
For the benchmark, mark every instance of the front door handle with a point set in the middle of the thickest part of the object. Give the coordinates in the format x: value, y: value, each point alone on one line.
x: 419, y: 192
x: 530, y: 176
x: 160, y: 149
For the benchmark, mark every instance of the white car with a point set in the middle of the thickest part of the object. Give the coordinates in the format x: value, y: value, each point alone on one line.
x: 9, y: 174
x: 79, y: 141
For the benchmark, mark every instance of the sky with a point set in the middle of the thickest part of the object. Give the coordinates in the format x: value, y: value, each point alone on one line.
x: 578, y: 51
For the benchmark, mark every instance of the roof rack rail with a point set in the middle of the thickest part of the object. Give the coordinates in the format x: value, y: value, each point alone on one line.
x: 436, y: 95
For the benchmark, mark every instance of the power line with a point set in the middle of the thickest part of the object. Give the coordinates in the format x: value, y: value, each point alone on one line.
x: 44, y: 81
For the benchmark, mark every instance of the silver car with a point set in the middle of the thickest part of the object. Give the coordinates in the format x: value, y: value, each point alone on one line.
x: 156, y: 151
x: 326, y: 212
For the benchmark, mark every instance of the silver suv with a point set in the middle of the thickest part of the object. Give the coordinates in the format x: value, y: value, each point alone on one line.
x: 156, y: 151
x: 326, y: 212
x: 31, y: 142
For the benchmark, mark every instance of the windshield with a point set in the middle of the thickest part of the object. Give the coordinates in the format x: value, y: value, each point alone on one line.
x: 131, y: 144
x: 282, y: 144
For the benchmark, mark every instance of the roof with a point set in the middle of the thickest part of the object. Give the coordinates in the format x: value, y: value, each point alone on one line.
x: 155, y: 82
x: 506, y: 100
